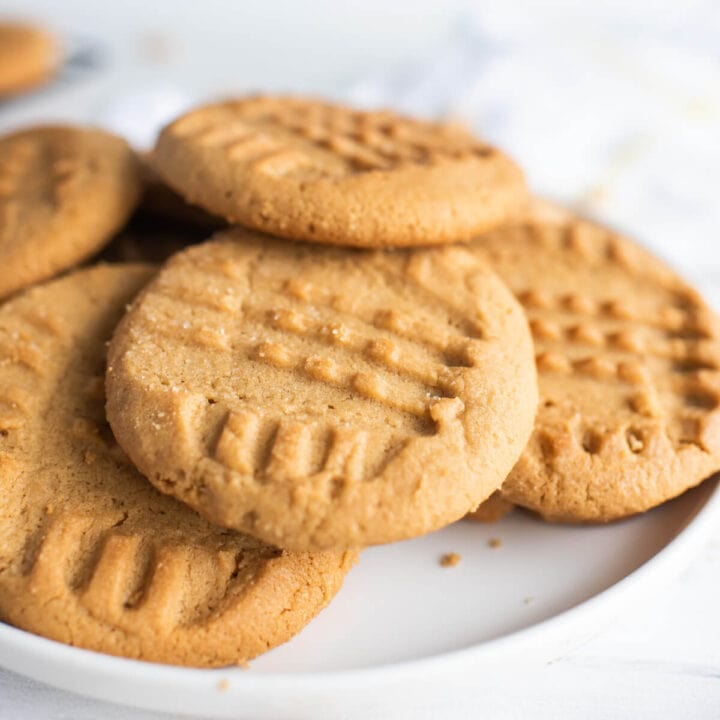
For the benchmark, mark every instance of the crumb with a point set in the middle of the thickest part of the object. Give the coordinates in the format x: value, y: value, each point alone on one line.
x: 529, y: 600
x: 49, y: 509
x: 494, y: 543
x: 223, y: 685
x: 450, y: 559
x: 244, y: 665
x: 89, y: 457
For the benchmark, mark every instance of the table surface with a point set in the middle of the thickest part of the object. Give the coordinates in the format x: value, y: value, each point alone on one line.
x: 612, y: 110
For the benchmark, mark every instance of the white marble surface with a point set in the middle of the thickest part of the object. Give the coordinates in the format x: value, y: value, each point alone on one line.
x: 611, y: 107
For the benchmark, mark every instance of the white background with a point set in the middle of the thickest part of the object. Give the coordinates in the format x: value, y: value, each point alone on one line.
x: 613, y: 108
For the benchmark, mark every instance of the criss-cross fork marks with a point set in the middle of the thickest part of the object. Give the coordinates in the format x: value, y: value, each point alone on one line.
x: 371, y: 385
x: 408, y: 361
x: 271, y: 450
x: 322, y: 454
x: 349, y: 335
x: 32, y: 176
x: 261, y: 152
x: 128, y: 580
x: 674, y: 319
x: 609, y: 329
x: 27, y: 348
x: 264, y: 134
x: 609, y: 341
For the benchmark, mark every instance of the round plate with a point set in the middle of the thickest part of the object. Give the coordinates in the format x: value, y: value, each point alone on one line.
x: 523, y: 590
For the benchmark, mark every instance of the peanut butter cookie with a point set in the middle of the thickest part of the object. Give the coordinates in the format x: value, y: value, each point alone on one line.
x: 628, y: 359
x: 320, y: 397
x: 309, y: 170
x: 90, y: 553
x: 64, y: 192
x: 29, y: 56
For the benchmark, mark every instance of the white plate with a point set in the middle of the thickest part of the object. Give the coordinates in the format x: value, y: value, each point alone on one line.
x: 402, y: 623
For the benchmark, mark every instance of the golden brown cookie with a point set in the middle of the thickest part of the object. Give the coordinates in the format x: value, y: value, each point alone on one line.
x: 90, y: 553
x: 539, y: 210
x: 28, y: 57
x: 321, y: 397
x: 309, y: 170
x: 628, y: 361
x: 64, y: 192
x: 495, y: 508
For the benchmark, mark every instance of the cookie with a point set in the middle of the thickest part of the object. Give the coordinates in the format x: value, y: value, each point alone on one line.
x: 320, y: 397
x: 28, y: 57
x: 540, y: 210
x: 64, y: 192
x: 90, y: 553
x: 495, y: 508
x: 309, y: 170
x: 628, y: 359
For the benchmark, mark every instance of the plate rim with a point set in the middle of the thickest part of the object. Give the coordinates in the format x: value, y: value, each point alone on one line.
x: 656, y: 572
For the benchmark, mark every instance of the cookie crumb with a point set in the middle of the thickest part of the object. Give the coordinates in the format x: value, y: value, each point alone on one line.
x: 494, y: 543
x: 223, y: 685
x: 244, y: 665
x: 450, y: 559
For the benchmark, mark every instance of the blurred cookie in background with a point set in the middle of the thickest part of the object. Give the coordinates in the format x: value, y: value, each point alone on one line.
x: 29, y: 57
x: 65, y: 192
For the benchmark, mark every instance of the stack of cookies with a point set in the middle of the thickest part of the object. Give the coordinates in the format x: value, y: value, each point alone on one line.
x: 385, y: 333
